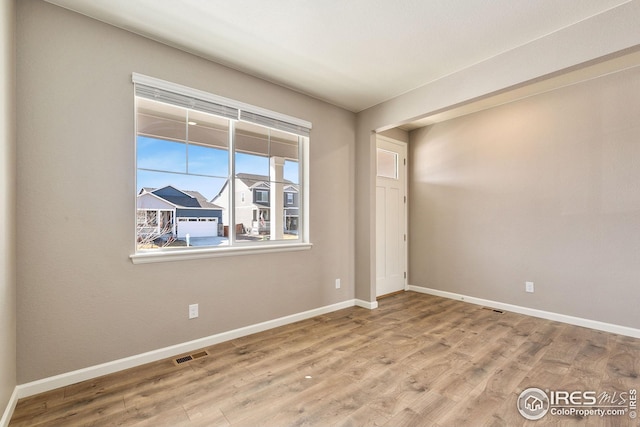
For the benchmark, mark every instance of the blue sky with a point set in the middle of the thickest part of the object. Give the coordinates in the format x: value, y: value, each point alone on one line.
x: 180, y: 161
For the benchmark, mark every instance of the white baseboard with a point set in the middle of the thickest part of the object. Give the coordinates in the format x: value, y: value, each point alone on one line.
x: 578, y: 321
x: 63, y: 380
x: 371, y: 305
x: 11, y: 406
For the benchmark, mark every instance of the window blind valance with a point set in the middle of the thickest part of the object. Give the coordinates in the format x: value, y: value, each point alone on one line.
x: 182, y: 96
x: 186, y: 101
x: 270, y: 122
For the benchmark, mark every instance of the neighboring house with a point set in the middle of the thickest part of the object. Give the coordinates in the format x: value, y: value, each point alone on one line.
x: 170, y: 212
x: 253, y: 204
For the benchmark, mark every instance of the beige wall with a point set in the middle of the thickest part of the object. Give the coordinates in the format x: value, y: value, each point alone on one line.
x: 397, y: 134
x: 81, y: 301
x: 590, y: 40
x: 546, y: 189
x: 7, y: 205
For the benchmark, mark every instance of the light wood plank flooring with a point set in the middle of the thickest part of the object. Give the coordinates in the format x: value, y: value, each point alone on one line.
x: 418, y: 360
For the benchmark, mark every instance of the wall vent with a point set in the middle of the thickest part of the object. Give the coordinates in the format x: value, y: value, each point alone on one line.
x: 187, y: 358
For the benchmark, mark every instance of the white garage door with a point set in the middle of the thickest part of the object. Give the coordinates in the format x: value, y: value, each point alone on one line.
x: 197, y: 227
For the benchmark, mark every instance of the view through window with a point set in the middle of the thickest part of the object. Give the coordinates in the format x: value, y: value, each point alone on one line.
x: 205, y: 180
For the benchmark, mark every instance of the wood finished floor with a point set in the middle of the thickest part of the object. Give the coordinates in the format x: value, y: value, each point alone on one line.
x: 418, y: 360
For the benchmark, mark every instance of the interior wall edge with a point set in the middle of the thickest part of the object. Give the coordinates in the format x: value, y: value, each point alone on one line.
x: 8, y: 282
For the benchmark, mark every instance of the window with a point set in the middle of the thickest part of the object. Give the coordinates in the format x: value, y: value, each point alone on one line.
x: 197, y: 155
x: 387, y: 164
x: 262, y: 196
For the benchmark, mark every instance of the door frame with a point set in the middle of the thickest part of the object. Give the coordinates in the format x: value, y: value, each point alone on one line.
x: 405, y: 162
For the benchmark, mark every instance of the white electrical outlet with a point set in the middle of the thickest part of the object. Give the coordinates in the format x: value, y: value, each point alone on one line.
x: 528, y: 286
x: 337, y: 283
x: 193, y: 311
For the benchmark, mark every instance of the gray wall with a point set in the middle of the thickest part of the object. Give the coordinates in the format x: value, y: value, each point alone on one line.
x: 590, y: 40
x: 546, y: 189
x: 81, y: 301
x: 7, y: 205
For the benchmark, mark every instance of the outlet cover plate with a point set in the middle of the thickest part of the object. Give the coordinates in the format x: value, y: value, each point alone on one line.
x: 528, y: 286
x: 193, y: 311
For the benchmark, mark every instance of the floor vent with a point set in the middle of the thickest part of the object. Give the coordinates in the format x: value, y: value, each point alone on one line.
x: 183, y: 359
x: 495, y: 310
x: 199, y: 354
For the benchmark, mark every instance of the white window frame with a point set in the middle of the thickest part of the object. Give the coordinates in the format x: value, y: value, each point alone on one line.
x: 252, y: 114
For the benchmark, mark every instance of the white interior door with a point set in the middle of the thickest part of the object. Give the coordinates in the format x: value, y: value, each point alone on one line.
x: 391, y: 252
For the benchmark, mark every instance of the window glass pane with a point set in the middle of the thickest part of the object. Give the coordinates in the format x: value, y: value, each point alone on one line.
x: 291, y: 171
x: 267, y: 167
x: 249, y: 164
x: 251, y: 150
x: 184, y: 180
x: 291, y: 211
x: 204, y: 160
x: 283, y: 144
x: 208, y: 187
x: 177, y: 179
x: 178, y: 210
x: 387, y: 164
x: 252, y: 215
x: 257, y: 221
x: 205, y: 129
x: 208, y: 149
x: 158, y: 154
x: 161, y: 121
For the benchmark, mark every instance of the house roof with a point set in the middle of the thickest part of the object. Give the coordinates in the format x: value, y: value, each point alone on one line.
x: 202, y: 201
x: 251, y: 180
x: 181, y: 198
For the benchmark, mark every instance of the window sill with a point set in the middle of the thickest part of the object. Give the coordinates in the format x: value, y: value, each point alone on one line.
x: 191, y: 254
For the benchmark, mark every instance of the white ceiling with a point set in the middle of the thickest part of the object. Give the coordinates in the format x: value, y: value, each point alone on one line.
x: 351, y: 53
